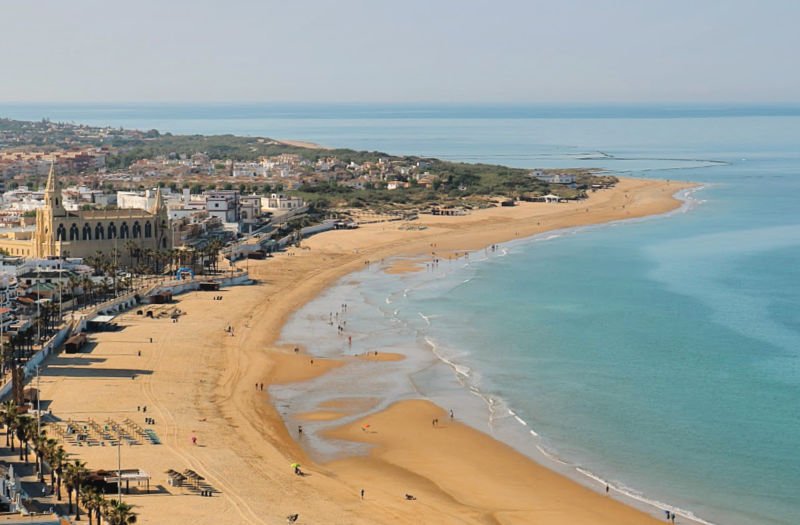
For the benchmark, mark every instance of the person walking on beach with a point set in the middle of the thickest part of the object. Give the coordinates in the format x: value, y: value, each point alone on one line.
x: 362, y: 494
x: 452, y: 416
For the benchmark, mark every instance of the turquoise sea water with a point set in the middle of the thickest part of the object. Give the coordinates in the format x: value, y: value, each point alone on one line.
x: 662, y: 355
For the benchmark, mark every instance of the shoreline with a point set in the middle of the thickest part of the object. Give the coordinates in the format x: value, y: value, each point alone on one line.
x: 341, y: 426
x: 405, y: 261
x: 198, y: 381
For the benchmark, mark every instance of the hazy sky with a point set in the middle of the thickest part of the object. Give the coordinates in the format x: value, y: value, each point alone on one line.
x: 402, y: 50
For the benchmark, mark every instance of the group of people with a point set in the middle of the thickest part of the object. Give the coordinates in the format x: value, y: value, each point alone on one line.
x: 217, y: 298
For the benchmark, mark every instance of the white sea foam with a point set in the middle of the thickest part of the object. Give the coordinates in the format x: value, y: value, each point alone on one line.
x: 638, y: 496
x: 552, y: 457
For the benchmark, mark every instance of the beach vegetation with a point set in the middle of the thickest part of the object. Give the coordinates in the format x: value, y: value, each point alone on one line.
x: 119, y: 513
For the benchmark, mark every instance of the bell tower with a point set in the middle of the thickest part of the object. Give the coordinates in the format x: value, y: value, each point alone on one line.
x: 45, y: 244
x: 52, y: 194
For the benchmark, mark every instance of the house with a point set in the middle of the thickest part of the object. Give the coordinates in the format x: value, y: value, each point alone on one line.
x: 553, y: 178
x: 280, y: 202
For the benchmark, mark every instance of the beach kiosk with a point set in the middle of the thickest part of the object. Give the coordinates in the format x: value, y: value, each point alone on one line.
x: 75, y: 343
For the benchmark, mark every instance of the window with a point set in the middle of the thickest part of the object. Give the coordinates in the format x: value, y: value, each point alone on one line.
x: 61, y: 233
x: 123, y: 231
x: 112, y: 230
x: 137, y: 230
x: 99, y: 232
x: 74, y: 234
x: 87, y: 232
x: 148, y: 230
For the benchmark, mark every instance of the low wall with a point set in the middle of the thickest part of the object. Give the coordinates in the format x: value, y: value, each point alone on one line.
x: 308, y: 231
x: 179, y: 287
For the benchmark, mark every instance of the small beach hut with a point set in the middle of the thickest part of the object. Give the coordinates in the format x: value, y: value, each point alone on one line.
x: 75, y: 343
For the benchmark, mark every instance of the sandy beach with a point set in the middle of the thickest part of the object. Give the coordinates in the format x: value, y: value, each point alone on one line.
x: 198, y: 380
x: 302, y: 144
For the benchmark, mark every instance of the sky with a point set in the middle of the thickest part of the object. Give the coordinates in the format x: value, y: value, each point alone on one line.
x: 513, y: 51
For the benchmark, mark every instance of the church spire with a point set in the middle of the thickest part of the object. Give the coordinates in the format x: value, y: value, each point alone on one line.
x: 158, y: 202
x: 51, y: 178
x: 52, y: 193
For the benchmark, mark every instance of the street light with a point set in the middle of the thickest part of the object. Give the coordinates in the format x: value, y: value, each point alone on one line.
x: 119, y: 464
x: 38, y: 402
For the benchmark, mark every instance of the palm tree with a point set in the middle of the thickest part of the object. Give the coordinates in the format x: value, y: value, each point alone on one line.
x: 8, y: 414
x: 119, y: 513
x: 133, y: 249
x: 50, y: 447
x: 93, y: 501
x: 74, y: 283
x: 44, y: 448
x: 214, y: 248
x: 100, y: 505
x: 17, y: 430
x: 73, y: 479
x: 88, y: 495
x: 88, y: 289
x: 57, y: 461
x: 26, y: 431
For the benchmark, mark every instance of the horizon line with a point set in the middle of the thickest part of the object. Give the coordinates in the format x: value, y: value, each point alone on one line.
x: 418, y: 102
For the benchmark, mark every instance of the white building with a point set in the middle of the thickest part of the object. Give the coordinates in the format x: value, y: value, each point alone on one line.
x: 223, y: 204
x: 136, y: 200
x: 281, y: 203
x: 8, y: 299
x: 554, y: 178
x: 249, y: 169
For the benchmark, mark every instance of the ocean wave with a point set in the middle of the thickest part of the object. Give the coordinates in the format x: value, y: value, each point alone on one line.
x: 552, y: 456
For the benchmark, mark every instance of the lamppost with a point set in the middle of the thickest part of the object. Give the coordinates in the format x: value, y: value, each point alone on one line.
x: 38, y: 306
x: 119, y: 464
x: 38, y: 402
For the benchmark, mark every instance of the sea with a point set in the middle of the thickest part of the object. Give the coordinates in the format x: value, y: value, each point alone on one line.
x: 660, y: 356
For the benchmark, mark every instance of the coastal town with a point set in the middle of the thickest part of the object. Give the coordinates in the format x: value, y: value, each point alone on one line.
x: 98, y: 235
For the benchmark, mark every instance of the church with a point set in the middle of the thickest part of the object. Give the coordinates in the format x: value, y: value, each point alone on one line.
x: 63, y: 233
